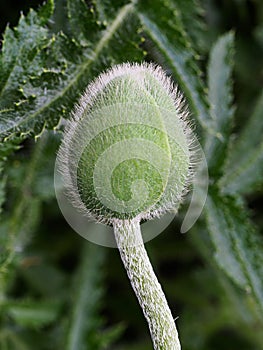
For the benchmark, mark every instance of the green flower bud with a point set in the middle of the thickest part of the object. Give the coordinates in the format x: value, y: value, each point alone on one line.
x: 126, y: 152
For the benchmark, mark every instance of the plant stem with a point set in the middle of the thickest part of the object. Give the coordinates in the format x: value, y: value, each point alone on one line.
x: 145, y: 285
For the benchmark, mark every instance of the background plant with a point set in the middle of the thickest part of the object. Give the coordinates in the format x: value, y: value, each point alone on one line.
x: 213, y: 276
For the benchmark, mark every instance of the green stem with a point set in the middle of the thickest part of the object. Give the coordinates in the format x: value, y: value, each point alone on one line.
x: 146, y: 286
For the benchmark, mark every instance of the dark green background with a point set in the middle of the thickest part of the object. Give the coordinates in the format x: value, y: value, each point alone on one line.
x: 181, y: 261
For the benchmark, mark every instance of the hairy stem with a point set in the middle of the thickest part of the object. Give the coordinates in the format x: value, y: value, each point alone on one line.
x: 146, y: 286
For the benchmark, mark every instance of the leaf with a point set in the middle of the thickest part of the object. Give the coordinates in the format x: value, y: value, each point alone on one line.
x: 107, y: 9
x: 244, y: 165
x: 43, y: 278
x: 109, y: 336
x: 10, y: 340
x: 220, y: 96
x: 161, y: 22
x: 8, y: 147
x: 49, y: 75
x: 2, y: 187
x: 17, y: 226
x: 84, y: 21
x: 43, y: 184
x: 238, y: 248
x: 33, y: 314
x: 46, y: 11
x: 193, y: 17
x: 20, y: 48
x: 86, y: 296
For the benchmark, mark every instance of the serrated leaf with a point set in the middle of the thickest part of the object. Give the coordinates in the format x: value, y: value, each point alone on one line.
x: 84, y: 21
x: 25, y: 39
x: 247, y: 175
x: 46, y: 11
x: 45, y: 83
x: 244, y: 165
x: 238, y: 248
x: 33, y: 313
x: 193, y: 18
x: 8, y: 147
x: 162, y: 23
x: 20, y: 48
x: 108, y: 8
x: 220, y: 96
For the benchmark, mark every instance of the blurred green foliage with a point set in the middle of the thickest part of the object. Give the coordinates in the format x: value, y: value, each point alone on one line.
x: 58, y: 291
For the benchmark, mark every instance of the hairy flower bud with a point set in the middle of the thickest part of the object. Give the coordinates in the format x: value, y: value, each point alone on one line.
x: 126, y: 152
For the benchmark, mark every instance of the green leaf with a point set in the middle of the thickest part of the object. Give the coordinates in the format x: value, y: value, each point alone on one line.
x: 84, y: 21
x: 193, y: 17
x: 8, y: 147
x: 109, y: 336
x: 87, y: 292
x: 162, y: 23
x: 50, y: 72
x: 10, y: 340
x: 33, y: 314
x: 244, y: 165
x: 44, y: 279
x: 5, y: 150
x: 220, y: 96
x: 107, y: 9
x: 46, y: 11
x: 238, y: 248
x: 17, y: 225
x: 20, y: 49
x: 43, y: 184
x: 2, y: 187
